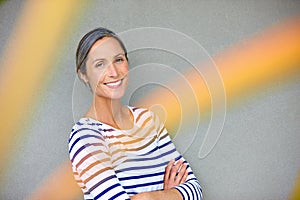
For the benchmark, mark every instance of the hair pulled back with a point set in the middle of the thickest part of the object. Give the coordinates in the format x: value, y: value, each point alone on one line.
x: 86, y: 43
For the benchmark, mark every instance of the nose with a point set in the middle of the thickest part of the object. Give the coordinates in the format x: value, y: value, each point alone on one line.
x: 112, y: 70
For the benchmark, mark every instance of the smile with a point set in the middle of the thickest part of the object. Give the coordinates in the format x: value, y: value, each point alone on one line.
x: 114, y: 84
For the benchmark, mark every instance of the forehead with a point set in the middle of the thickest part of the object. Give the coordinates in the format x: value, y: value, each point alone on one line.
x: 105, y: 48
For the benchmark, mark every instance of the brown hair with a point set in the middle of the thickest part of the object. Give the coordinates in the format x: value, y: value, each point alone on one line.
x: 87, y: 41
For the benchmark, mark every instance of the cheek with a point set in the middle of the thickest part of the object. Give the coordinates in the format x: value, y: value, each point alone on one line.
x: 95, y: 80
x: 125, y: 69
x: 99, y: 79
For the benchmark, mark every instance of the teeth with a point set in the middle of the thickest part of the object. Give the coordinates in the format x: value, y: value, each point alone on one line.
x: 114, y: 84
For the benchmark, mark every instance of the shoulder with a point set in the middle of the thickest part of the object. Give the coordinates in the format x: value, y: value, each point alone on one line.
x: 135, y: 109
x: 143, y: 116
x: 86, y: 133
x: 85, y: 126
x: 141, y: 111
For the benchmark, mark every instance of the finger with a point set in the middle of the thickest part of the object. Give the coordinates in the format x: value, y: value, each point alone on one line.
x: 168, y: 168
x: 183, y: 179
x: 175, y: 169
x: 167, y: 172
x: 181, y: 172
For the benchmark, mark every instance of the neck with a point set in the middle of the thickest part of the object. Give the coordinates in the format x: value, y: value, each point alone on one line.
x: 110, y: 112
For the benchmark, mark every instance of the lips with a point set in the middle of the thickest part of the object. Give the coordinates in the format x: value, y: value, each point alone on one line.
x: 114, y: 84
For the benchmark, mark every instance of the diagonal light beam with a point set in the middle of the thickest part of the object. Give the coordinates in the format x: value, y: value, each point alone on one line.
x: 272, y: 54
x: 26, y: 62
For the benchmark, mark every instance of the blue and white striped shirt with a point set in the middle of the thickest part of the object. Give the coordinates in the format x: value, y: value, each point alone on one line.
x: 109, y: 163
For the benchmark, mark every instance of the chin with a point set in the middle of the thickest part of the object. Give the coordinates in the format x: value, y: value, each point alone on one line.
x: 116, y: 96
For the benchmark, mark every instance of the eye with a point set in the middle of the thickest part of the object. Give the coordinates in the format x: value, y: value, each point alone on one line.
x: 119, y: 60
x: 99, y: 64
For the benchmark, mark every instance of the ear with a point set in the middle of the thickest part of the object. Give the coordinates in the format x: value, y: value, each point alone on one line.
x: 83, y: 76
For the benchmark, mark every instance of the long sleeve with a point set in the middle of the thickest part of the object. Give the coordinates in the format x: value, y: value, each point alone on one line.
x: 116, y: 164
x: 191, y: 189
x: 91, y: 163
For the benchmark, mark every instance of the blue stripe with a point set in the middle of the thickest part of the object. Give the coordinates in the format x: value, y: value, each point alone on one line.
x: 198, y: 189
x: 153, y: 150
x: 79, y: 123
x: 153, y: 158
x: 192, y: 179
x: 132, y: 193
x: 178, y: 158
x: 78, y: 151
x: 186, y: 192
x: 147, y: 167
x: 180, y: 192
x: 103, y: 181
x: 195, y: 190
x: 106, y: 190
x: 83, y: 137
x: 93, y: 124
x: 144, y: 184
x: 139, y: 168
x: 192, y: 191
x: 83, y: 129
x: 162, y: 146
x: 118, y: 194
x: 141, y: 176
x: 83, y: 147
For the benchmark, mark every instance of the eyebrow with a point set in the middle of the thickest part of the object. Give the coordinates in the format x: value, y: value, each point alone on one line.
x: 99, y: 59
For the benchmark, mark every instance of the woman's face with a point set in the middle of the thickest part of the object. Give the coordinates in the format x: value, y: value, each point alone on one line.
x: 107, y: 69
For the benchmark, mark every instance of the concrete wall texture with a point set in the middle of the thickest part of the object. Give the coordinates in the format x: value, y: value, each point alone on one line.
x: 257, y: 155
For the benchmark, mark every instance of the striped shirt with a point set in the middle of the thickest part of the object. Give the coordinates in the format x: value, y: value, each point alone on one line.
x: 109, y: 163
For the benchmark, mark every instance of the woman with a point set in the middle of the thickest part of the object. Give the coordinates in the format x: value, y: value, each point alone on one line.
x: 117, y: 151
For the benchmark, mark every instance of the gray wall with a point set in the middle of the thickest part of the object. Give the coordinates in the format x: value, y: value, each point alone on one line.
x: 257, y: 155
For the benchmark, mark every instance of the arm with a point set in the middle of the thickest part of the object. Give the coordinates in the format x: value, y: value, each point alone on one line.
x: 92, y: 167
x: 191, y: 188
x: 173, y: 188
x: 158, y: 195
x: 174, y: 175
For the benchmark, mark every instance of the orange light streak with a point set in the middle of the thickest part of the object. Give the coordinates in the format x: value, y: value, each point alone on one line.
x: 273, y: 54
x: 26, y: 62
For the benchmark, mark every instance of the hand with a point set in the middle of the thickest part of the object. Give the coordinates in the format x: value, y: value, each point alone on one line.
x: 175, y: 174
